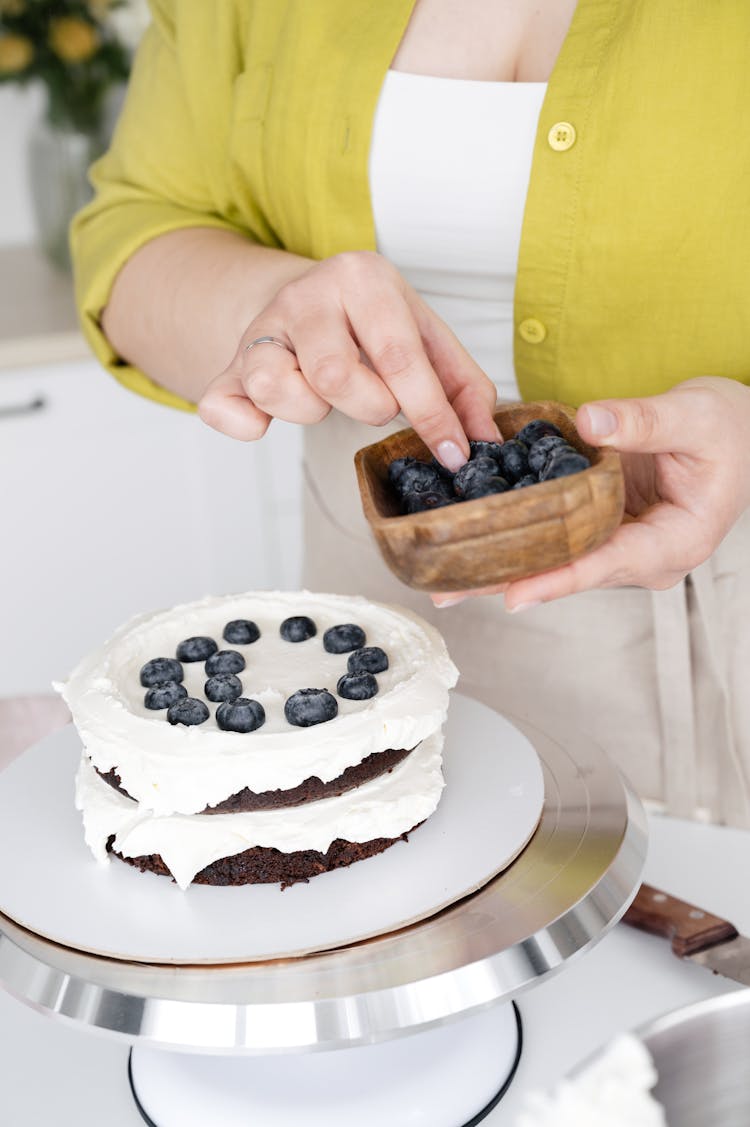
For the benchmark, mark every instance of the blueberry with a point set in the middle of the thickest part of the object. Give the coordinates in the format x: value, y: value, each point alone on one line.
x: 357, y: 686
x: 481, y: 467
x: 421, y: 502
x: 443, y: 472
x: 310, y: 706
x: 298, y: 628
x: 485, y: 487
x: 241, y: 632
x: 535, y: 430
x: 161, y: 669
x: 225, y: 661
x: 396, y: 468
x: 485, y: 450
x: 513, y: 460
x: 196, y: 649
x: 240, y: 715
x: 541, y: 450
x: 419, y: 477
x: 444, y: 486
x: 369, y: 660
x: 223, y: 686
x: 164, y: 693
x: 563, y: 463
x: 527, y: 479
x: 344, y: 638
x: 188, y: 711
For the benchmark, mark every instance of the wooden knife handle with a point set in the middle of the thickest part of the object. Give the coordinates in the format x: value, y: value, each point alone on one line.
x: 690, y: 929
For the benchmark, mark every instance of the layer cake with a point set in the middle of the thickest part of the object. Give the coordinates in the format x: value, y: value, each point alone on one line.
x: 261, y: 737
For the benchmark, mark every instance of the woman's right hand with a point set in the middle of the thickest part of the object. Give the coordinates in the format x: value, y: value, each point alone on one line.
x: 359, y: 339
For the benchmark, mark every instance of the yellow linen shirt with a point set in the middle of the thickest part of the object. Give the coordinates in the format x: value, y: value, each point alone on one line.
x: 633, y: 274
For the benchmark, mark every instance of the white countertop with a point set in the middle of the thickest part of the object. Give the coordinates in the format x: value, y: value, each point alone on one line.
x: 38, y: 320
x: 54, y: 1073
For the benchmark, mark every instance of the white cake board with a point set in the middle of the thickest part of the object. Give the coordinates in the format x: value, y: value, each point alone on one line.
x: 51, y: 884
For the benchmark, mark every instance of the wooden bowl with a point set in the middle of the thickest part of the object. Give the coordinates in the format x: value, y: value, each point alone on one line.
x: 499, y: 538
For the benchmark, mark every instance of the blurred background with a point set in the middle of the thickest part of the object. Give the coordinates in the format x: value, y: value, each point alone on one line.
x: 111, y: 505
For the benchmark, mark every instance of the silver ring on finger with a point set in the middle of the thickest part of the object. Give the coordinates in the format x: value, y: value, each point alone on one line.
x: 269, y: 340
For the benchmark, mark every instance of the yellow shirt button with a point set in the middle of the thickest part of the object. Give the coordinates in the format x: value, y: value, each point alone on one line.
x: 532, y: 331
x: 561, y: 136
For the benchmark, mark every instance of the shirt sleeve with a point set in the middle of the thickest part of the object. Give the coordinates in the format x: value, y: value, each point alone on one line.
x: 151, y: 181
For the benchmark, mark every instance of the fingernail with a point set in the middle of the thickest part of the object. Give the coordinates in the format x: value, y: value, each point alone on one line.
x: 451, y: 455
x: 601, y: 421
x: 443, y: 603
x: 524, y: 606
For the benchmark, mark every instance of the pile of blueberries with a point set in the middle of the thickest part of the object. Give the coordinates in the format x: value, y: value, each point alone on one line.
x: 539, y: 452
x: 162, y: 677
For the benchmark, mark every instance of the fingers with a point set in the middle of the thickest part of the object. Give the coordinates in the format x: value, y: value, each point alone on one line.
x: 330, y: 360
x: 273, y: 381
x: 363, y: 343
x: 443, y: 599
x: 471, y: 392
x: 324, y: 371
x: 225, y: 407
x: 656, y: 552
x: 387, y: 331
x: 681, y: 421
x: 647, y: 553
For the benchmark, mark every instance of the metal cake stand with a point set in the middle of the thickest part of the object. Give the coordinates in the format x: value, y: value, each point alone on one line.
x: 403, y: 997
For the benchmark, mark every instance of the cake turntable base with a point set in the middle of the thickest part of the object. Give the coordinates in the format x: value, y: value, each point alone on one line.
x: 449, y: 1076
x: 408, y: 1006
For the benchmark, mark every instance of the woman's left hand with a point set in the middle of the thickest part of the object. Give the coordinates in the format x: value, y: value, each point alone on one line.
x: 686, y: 462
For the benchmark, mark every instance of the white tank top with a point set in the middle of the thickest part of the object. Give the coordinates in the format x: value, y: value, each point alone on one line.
x: 449, y: 169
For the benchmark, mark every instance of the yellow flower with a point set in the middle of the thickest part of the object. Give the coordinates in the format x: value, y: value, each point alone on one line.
x: 16, y: 52
x: 72, y: 39
x: 99, y: 9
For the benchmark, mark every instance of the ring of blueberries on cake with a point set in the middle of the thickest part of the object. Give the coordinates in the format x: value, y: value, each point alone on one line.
x: 261, y: 737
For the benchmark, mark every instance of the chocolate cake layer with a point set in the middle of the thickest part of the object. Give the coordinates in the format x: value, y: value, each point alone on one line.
x: 261, y: 865
x: 312, y: 789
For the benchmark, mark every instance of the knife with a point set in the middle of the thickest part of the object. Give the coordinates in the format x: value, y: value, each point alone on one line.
x: 695, y: 934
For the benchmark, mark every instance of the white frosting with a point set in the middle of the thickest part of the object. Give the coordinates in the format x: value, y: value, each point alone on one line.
x: 613, y: 1090
x: 176, y: 769
x: 387, y: 806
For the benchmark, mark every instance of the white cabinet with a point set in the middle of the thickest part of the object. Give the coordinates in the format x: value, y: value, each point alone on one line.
x: 112, y: 505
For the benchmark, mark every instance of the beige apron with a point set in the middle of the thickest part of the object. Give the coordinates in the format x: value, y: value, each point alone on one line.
x: 661, y: 680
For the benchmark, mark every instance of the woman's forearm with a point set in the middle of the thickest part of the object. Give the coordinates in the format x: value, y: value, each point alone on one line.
x: 181, y: 303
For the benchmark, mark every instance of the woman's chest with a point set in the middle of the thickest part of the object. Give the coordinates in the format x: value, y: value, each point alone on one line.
x: 488, y: 40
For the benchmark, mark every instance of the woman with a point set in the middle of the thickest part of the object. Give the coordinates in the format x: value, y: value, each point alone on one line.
x: 266, y: 152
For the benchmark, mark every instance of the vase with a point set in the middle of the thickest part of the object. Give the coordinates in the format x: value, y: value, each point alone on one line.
x: 59, y: 160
